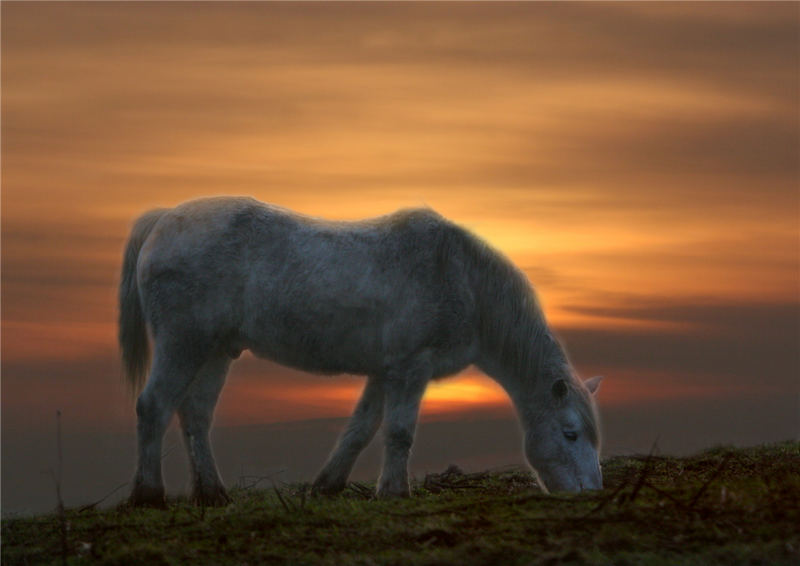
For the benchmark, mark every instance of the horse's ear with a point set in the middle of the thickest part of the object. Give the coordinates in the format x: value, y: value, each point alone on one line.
x: 593, y: 383
x: 559, y: 389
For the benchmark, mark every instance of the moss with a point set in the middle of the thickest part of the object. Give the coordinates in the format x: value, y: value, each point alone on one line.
x: 724, y: 506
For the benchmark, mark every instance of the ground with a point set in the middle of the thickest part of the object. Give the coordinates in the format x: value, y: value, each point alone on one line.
x: 725, y: 506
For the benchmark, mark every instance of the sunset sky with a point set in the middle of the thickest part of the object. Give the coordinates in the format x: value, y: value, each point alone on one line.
x: 638, y: 161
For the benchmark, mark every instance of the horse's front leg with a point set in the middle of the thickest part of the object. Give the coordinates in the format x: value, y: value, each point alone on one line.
x: 360, y: 430
x: 403, y: 395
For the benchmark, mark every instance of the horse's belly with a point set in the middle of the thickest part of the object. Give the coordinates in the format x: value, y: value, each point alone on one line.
x: 328, y: 350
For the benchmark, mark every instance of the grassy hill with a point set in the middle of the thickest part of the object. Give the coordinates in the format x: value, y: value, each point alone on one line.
x: 725, y: 506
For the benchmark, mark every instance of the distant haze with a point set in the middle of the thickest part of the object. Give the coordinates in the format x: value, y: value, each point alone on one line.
x: 639, y: 161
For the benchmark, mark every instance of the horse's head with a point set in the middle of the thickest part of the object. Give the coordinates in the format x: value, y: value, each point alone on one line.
x: 561, y: 434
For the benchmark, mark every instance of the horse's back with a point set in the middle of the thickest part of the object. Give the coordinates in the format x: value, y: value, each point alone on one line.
x: 245, y: 224
x: 347, y: 296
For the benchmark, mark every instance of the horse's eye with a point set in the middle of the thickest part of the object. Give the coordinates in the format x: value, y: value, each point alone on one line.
x: 571, y: 435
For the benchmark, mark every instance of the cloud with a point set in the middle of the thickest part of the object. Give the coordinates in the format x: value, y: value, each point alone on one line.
x: 780, y: 319
x: 730, y: 346
x: 59, y: 270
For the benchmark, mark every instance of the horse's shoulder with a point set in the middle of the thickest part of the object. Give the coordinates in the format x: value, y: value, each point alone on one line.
x: 417, y: 221
x: 416, y: 215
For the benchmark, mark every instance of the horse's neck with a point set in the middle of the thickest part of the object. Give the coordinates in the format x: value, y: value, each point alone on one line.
x: 516, y: 346
x: 512, y: 330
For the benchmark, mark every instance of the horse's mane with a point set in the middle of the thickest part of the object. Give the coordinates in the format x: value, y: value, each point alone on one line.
x: 511, y: 324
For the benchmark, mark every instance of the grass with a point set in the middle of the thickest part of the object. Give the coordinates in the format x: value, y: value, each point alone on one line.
x: 725, y: 506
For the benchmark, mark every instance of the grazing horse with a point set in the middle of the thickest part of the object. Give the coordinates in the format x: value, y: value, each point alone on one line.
x: 402, y: 299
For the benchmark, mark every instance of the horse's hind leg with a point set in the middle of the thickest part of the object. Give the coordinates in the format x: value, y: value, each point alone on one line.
x: 360, y: 430
x: 174, y: 368
x: 196, y: 413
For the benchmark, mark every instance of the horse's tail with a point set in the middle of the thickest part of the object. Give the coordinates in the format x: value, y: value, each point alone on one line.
x: 132, y: 326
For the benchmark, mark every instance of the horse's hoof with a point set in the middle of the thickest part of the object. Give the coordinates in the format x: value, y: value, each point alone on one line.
x: 146, y: 496
x: 215, y: 496
x: 386, y: 493
x: 322, y: 488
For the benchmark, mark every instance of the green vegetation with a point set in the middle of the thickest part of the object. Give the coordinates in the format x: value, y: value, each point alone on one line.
x: 725, y: 506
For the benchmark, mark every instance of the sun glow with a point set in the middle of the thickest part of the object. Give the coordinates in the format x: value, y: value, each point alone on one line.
x: 469, y: 390
x: 260, y: 397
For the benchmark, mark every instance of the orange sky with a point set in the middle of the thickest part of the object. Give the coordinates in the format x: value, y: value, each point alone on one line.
x: 639, y: 161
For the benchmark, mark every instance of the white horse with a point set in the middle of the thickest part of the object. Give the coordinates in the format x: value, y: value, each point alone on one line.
x: 402, y: 299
